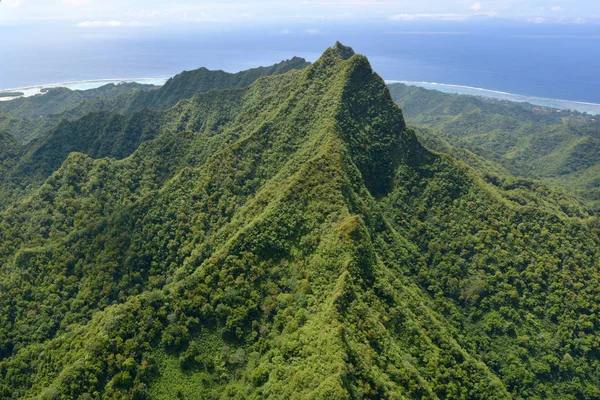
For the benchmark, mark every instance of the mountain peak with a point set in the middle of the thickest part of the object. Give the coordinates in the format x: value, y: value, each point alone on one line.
x: 274, y: 239
x: 341, y: 51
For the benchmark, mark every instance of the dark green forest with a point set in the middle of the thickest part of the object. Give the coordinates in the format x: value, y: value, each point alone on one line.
x: 111, y: 121
x: 60, y: 99
x: 283, y: 233
x: 11, y: 94
x: 559, y: 147
x: 29, y: 118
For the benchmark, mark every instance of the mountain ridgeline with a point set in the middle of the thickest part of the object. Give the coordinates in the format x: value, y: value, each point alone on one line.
x: 31, y: 117
x: 60, y: 99
x: 289, y: 237
x: 559, y: 147
x: 110, y: 121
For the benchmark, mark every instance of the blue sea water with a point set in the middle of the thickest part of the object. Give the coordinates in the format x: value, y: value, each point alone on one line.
x: 550, y: 61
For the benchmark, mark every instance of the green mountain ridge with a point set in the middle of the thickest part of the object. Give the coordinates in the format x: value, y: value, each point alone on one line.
x: 29, y: 118
x: 189, y: 83
x: 9, y: 152
x: 293, y: 239
x: 121, y: 125
x: 559, y: 148
x: 60, y: 99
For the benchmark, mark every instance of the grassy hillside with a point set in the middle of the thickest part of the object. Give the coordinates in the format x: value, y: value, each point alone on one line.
x: 293, y: 239
x: 561, y: 148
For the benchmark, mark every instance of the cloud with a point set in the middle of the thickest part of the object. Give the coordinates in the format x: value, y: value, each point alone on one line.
x: 488, y: 14
x: 420, y: 33
x: 199, y: 17
x: 348, y: 3
x: 429, y: 17
x: 109, y: 24
x: 538, y: 20
x: 115, y: 13
x: 13, y: 3
x: 312, y: 31
x: 74, y: 2
x: 285, y: 31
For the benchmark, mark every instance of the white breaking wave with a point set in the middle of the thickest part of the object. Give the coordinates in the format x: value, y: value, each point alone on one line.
x: 79, y: 85
x: 590, y: 108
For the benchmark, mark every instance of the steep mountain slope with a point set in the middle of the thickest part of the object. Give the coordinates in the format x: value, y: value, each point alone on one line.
x: 292, y: 239
x: 22, y: 129
x: 102, y: 134
x: 110, y: 133
x: 58, y: 100
x: 29, y: 118
x: 9, y: 152
x: 560, y: 148
x: 188, y: 83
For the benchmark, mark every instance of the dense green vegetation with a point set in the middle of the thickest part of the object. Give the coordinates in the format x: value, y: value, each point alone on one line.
x: 11, y: 94
x: 125, y: 122
x: 60, y: 99
x: 22, y: 129
x: 561, y: 148
x: 10, y: 152
x: 188, y: 83
x: 293, y: 239
x: 29, y: 118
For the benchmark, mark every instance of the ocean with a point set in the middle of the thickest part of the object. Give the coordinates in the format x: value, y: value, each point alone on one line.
x: 533, y: 60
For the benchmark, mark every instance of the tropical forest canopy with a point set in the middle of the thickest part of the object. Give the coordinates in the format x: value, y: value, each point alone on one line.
x: 559, y: 147
x: 282, y: 233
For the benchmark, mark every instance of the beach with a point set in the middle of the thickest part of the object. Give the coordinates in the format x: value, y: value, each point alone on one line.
x: 78, y: 85
x: 590, y: 108
x: 584, y: 107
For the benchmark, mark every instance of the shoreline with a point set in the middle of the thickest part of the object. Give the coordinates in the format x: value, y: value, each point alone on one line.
x: 77, y: 85
x: 581, y: 106
x: 559, y: 104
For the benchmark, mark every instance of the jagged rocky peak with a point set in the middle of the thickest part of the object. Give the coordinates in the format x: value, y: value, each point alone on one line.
x: 341, y: 51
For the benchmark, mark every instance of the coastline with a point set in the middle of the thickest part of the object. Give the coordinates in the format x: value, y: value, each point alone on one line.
x: 590, y: 108
x: 33, y: 90
x: 585, y: 107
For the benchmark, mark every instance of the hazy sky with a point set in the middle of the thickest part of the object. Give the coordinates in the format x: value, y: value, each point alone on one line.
x: 139, y: 13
